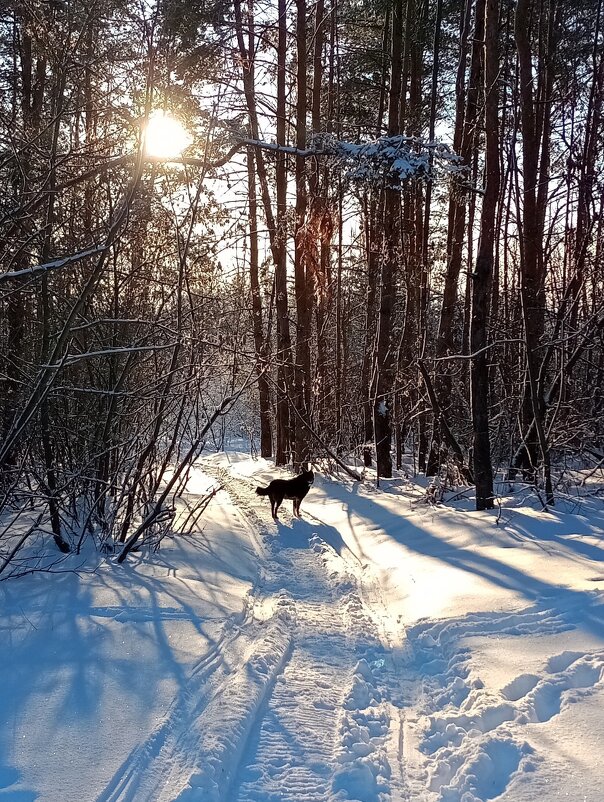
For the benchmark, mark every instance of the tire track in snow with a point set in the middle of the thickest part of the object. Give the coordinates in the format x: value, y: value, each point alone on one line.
x: 325, y: 730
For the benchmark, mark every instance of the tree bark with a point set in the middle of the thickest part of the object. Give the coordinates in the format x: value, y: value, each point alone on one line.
x: 385, y: 346
x: 483, y: 271
x: 302, y: 372
x: 260, y: 344
x: 532, y: 286
x: 285, y: 425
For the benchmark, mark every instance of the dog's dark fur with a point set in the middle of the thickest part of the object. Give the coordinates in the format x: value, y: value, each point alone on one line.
x: 294, y: 489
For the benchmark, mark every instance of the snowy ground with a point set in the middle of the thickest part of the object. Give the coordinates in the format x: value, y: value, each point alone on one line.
x: 378, y: 649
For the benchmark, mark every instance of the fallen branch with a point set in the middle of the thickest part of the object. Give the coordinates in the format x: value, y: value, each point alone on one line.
x: 197, y: 511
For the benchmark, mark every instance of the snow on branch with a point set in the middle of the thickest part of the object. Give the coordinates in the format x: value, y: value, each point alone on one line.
x: 105, y: 352
x: 197, y: 446
x: 390, y: 159
x: 54, y: 265
x: 393, y: 159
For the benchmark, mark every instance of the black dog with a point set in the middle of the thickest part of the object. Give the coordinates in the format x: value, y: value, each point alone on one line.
x: 295, y: 489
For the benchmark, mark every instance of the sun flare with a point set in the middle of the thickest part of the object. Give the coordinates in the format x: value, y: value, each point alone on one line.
x: 165, y: 136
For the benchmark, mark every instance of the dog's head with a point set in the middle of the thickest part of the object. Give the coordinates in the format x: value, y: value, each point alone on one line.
x: 308, y: 476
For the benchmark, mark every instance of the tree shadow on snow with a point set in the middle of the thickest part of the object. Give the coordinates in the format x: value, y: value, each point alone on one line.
x: 579, y: 608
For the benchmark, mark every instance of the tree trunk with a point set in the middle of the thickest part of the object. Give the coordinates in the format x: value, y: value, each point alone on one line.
x: 483, y: 272
x: 385, y: 347
x: 302, y: 372
x: 260, y: 345
x: 285, y: 424
x: 532, y: 284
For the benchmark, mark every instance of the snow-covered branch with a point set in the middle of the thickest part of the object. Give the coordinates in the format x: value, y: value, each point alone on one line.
x: 197, y: 446
x: 393, y: 159
x: 72, y: 359
x: 55, y: 264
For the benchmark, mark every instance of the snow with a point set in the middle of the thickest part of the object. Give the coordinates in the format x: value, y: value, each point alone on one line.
x: 397, y: 157
x: 380, y: 648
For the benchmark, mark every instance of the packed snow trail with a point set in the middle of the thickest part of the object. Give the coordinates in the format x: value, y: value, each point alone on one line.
x: 291, y: 702
x: 325, y: 730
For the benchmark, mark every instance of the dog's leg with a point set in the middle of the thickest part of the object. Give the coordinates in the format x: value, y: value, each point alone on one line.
x: 278, y: 503
x: 274, y: 507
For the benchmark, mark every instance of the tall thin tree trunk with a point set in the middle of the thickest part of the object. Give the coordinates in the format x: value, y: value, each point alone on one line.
x: 385, y: 346
x: 433, y: 455
x: 464, y: 139
x: 285, y: 422
x: 532, y: 285
x: 483, y: 271
x: 320, y: 231
x: 372, y: 213
x: 264, y: 398
x: 302, y: 373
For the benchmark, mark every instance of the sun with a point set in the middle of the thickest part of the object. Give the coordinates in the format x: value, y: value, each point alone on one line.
x: 165, y: 137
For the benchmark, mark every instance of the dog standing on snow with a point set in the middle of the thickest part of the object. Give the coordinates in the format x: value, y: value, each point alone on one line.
x: 294, y: 489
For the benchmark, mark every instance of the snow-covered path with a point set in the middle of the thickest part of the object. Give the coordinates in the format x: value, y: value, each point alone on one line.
x: 294, y: 695
x: 378, y: 650
x: 326, y: 725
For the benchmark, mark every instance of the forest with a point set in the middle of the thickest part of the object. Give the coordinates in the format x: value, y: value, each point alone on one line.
x: 384, y: 237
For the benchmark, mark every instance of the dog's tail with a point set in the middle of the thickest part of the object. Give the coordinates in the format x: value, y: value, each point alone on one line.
x: 262, y: 491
